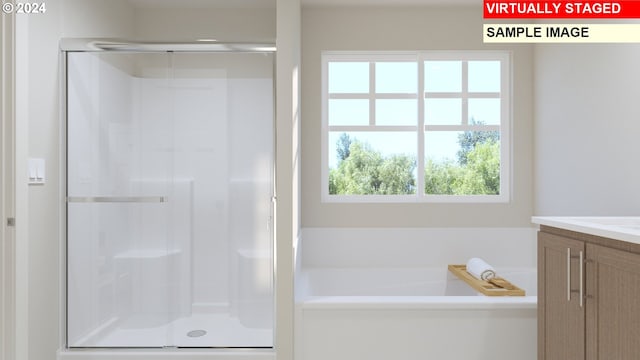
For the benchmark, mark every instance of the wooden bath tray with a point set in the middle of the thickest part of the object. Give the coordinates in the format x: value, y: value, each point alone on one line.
x: 485, y: 287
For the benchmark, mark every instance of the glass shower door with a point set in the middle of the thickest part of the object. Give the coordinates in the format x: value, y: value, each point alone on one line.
x: 119, y: 224
x: 169, y: 187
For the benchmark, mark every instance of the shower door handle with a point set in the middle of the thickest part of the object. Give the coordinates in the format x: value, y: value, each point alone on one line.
x: 117, y: 199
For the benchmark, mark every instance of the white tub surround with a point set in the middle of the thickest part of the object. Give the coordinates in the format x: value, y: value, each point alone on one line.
x: 623, y: 228
x: 416, y: 247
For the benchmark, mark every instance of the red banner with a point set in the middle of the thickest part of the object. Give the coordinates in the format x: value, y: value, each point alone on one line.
x: 545, y: 9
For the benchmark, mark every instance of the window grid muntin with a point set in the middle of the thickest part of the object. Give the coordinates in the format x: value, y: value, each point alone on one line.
x: 421, y: 57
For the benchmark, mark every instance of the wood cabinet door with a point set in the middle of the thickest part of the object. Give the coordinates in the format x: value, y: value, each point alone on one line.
x: 613, y: 304
x: 561, y: 318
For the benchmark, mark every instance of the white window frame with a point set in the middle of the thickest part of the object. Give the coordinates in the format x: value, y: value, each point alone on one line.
x: 420, y: 57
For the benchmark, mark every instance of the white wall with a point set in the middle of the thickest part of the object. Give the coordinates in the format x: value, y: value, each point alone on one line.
x: 223, y: 24
x: 8, y: 288
x: 95, y: 18
x: 586, y: 129
x: 288, y: 149
x: 409, y: 28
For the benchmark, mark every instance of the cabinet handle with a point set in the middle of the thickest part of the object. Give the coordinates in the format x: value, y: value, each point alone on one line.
x: 581, y: 271
x: 569, y: 274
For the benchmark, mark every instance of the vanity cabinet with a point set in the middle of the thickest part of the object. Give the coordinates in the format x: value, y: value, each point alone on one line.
x: 561, y: 320
x: 588, y: 297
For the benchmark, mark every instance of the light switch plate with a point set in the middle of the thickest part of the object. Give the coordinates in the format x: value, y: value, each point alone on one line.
x: 36, y: 171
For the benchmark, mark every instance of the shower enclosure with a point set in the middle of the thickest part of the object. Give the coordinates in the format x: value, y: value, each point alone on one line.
x: 169, y: 195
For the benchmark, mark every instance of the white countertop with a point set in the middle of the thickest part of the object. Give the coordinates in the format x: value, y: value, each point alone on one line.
x: 624, y: 228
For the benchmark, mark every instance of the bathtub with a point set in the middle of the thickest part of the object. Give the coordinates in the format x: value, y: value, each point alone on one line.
x: 411, y: 313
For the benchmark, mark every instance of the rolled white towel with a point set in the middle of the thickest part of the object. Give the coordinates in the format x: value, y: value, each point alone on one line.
x: 480, y: 269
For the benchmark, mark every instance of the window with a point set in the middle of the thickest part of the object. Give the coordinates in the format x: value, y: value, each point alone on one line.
x: 416, y: 126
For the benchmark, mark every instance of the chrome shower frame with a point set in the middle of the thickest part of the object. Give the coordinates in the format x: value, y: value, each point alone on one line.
x: 70, y: 45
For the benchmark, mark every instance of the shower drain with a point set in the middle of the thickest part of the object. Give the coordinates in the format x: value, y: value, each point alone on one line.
x: 196, y: 333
